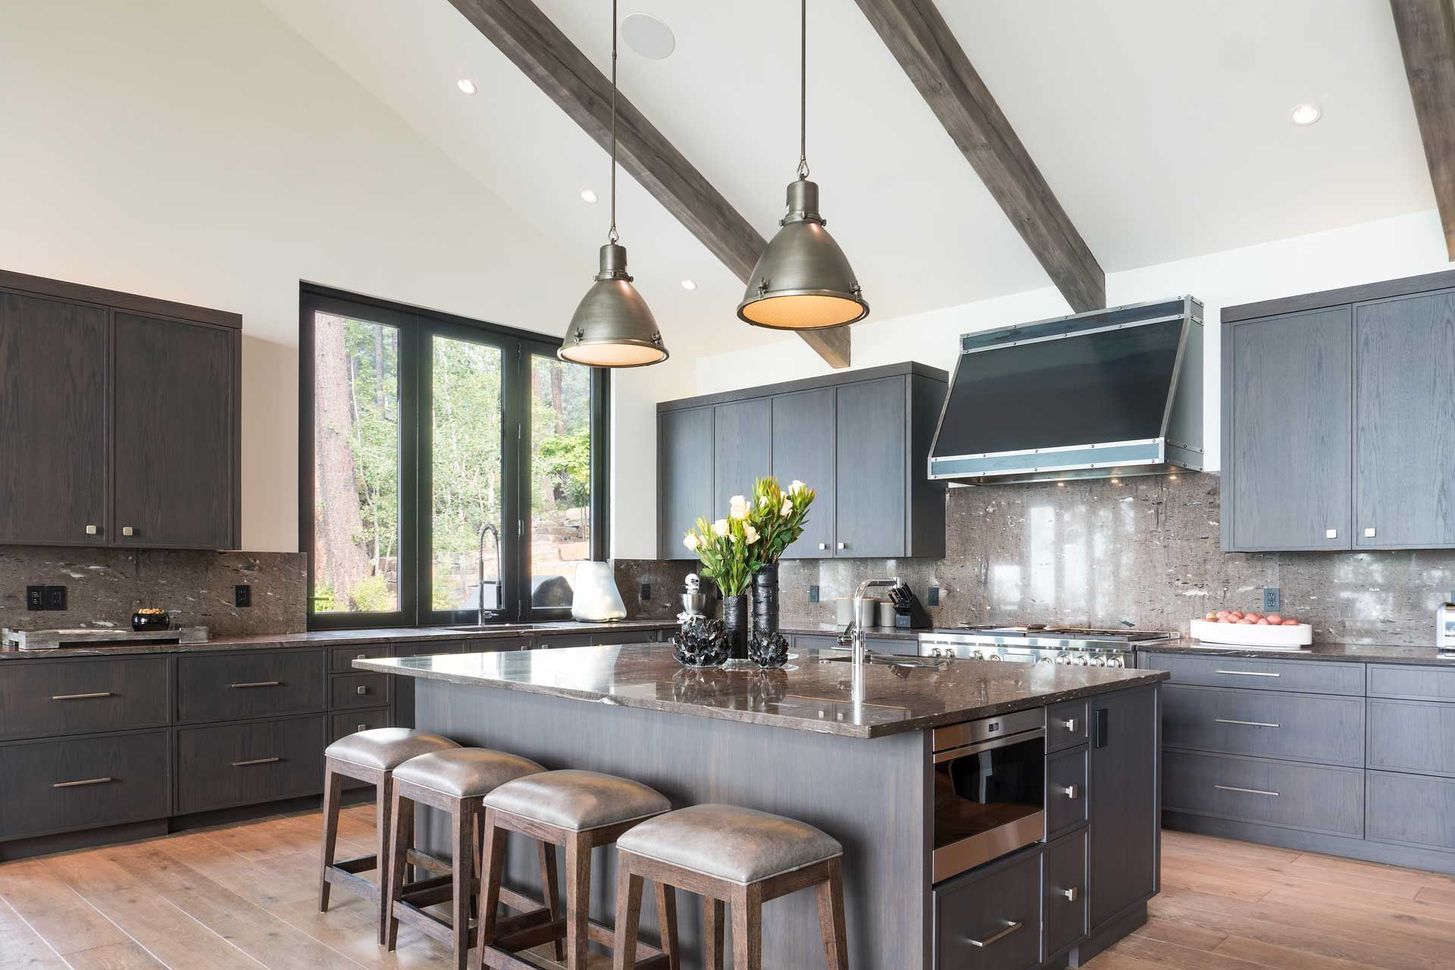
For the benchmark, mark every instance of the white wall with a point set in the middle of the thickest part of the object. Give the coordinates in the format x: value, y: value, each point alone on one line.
x: 1385, y: 249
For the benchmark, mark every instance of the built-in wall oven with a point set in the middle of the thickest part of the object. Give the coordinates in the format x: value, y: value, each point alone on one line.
x: 990, y: 789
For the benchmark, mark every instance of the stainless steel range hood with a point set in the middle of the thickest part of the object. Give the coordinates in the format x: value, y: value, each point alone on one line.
x: 1096, y: 395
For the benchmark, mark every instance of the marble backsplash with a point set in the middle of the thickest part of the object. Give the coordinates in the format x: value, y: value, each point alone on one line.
x: 105, y: 586
x: 1143, y: 552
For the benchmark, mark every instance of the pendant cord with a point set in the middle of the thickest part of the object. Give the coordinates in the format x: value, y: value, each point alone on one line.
x: 612, y: 235
x: 802, y: 89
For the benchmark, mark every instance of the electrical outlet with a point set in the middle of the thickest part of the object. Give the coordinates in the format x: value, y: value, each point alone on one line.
x: 242, y: 596
x: 934, y: 598
x: 646, y: 592
x: 35, y: 597
x: 55, y: 598
x: 1272, y: 599
x: 813, y: 594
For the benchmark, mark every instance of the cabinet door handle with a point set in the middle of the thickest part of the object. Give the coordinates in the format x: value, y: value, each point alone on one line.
x: 823, y: 545
x: 362, y: 656
x: 363, y: 727
x: 256, y: 761
x: 843, y: 545
x: 1369, y: 533
x: 258, y: 683
x: 1228, y: 720
x: 127, y: 530
x: 994, y: 937
x: 1070, y: 791
x: 1247, y: 791
x: 1331, y: 533
x: 91, y: 530
x: 82, y: 783
x: 362, y: 690
x: 1069, y: 724
x: 1248, y: 673
x: 1070, y: 894
x: 81, y: 697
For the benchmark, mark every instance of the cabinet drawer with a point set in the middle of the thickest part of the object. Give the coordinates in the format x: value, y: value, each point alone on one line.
x: 231, y: 686
x: 243, y: 764
x: 1063, y: 903
x: 616, y: 638
x: 544, y: 641
x: 816, y: 641
x: 341, y: 659
x: 1412, y: 683
x: 39, y: 700
x: 344, y: 723
x: 1315, y: 798
x: 1317, y: 728
x: 56, y: 786
x: 1065, y: 790
x: 1301, y: 676
x: 999, y: 907
x: 1413, y: 736
x: 1412, y: 810
x: 1065, y: 725
x: 357, y: 690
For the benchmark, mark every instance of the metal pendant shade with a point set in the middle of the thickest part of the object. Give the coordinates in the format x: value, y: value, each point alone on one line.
x: 612, y: 325
x: 803, y: 280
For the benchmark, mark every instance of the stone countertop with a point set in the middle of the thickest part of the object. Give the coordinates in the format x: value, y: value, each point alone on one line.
x: 342, y: 638
x: 812, y: 694
x: 1348, y: 652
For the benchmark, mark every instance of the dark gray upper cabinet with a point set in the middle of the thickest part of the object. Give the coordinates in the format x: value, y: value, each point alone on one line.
x: 1339, y: 419
x: 1287, y: 413
x: 804, y: 451
x: 861, y: 439
x: 53, y: 422
x: 743, y: 449
x: 175, y: 453
x: 119, y: 418
x: 684, y: 476
x: 1404, y: 436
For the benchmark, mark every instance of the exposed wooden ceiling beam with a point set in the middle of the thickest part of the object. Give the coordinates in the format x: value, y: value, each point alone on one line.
x: 539, y: 48
x: 922, y: 42
x: 1426, y: 31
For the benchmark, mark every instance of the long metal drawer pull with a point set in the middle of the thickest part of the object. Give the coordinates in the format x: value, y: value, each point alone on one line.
x: 81, y: 697
x: 258, y: 683
x: 1249, y: 673
x: 996, y: 938
x: 256, y: 761
x: 82, y: 783
x: 1246, y: 791
x: 1229, y: 720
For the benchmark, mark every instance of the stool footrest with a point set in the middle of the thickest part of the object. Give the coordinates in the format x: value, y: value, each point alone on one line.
x: 509, y: 941
x: 362, y: 864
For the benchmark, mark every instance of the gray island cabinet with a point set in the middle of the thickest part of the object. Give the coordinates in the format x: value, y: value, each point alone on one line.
x: 799, y: 743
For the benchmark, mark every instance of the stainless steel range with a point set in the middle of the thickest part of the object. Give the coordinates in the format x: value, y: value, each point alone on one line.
x: 1069, y: 646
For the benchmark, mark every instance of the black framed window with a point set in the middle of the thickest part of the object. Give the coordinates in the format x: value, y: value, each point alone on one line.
x: 449, y: 469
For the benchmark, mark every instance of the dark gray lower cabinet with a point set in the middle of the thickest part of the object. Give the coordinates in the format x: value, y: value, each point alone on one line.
x: 1065, y: 790
x: 1297, y: 727
x: 1121, y: 860
x: 1063, y: 895
x: 990, y: 919
x: 1411, y: 810
x: 221, y: 766
x: 1315, y: 798
x: 1414, y: 736
x: 228, y: 686
x: 77, y: 783
x: 83, y: 696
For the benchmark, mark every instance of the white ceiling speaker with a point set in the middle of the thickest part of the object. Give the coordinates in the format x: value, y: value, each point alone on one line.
x: 648, y: 36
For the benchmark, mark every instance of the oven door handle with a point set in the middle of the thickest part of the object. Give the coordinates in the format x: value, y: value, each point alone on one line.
x: 988, y: 745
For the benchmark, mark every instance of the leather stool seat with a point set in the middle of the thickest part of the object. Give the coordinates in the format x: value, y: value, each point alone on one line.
x: 464, y: 772
x: 385, y: 749
x: 740, y: 845
x: 577, y: 800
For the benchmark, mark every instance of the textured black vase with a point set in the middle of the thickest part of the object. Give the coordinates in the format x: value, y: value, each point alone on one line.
x: 765, y: 598
x: 735, y: 619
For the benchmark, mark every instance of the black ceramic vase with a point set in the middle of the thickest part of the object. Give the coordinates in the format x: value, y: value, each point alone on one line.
x: 735, y: 620
x: 765, y: 599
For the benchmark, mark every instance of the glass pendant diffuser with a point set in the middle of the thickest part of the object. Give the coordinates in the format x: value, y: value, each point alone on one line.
x: 803, y: 280
x: 612, y: 325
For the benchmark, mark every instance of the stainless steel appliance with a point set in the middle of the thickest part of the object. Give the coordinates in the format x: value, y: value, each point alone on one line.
x: 1041, y: 644
x: 1445, y: 625
x: 990, y: 789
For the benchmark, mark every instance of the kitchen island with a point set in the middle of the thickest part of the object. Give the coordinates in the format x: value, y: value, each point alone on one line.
x: 798, y: 742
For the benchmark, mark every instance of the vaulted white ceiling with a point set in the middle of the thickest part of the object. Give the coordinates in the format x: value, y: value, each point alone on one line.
x: 1162, y: 127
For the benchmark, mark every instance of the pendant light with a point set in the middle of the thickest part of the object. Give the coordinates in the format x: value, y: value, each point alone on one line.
x: 802, y: 281
x: 613, y: 326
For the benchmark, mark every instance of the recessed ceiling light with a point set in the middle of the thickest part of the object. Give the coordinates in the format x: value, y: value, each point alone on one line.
x: 1304, y: 115
x: 466, y: 86
x: 648, y: 36
x: 689, y: 285
x: 588, y: 196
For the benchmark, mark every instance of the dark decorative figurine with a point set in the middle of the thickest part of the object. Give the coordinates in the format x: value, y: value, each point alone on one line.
x: 701, y: 642
x: 768, y: 648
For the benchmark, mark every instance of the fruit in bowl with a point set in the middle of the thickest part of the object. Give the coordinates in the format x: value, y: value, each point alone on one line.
x: 1250, y: 618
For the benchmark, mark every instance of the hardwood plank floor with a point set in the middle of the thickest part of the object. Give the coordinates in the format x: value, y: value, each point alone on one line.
x: 244, y: 897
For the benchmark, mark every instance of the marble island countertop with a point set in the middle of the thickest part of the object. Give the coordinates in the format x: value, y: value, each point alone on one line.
x: 814, y: 695
x: 1347, y: 652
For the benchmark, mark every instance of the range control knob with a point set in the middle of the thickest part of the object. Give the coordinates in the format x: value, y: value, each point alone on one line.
x: 1064, y: 659
x: 1045, y: 660
x: 1116, y: 662
x: 1081, y: 662
x: 993, y: 656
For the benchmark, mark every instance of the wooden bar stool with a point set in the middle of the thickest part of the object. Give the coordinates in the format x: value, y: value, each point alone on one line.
x: 733, y: 856
x: 579, y: 810
x: 368, y: 756
x: 453, y: 781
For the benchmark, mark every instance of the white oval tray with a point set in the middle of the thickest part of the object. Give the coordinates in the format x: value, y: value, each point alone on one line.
x: 1251, y: 635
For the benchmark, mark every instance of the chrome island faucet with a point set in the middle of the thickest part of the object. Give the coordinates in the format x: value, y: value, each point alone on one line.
x: 856, y: 629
